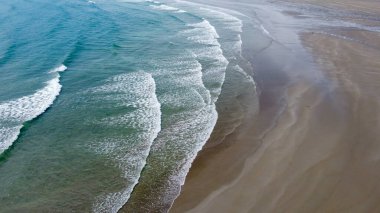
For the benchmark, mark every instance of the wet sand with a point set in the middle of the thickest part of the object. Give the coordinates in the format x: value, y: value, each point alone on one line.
x: 314, y: 146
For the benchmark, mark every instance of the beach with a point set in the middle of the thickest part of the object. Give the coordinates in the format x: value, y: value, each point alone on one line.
x: 106, y: 105
x: 313, y: 145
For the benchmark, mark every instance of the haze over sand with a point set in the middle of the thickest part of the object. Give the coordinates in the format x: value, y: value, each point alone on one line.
x: 315, y: 144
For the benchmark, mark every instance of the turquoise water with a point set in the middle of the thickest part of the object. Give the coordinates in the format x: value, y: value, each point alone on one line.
x: 96, y: 97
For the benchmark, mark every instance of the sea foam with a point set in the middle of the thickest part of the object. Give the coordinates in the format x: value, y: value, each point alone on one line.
x: 129, y: 152
x: 210, y: 53
x: 189, y: 86
x: 167, y: 8
x: 15, y: 112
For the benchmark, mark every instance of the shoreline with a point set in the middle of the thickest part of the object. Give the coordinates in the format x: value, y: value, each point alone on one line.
x: 278, y: 162
x: 237, y: 146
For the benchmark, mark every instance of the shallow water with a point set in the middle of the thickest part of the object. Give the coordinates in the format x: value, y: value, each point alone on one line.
x: 93, y: 92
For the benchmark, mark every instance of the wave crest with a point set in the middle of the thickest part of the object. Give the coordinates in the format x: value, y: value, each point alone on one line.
x: 14, y: 113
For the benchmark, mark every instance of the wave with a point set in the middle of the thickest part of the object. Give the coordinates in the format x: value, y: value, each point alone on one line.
x: 231, y: 22
x: 203, y: 33
x: 60, y: 68
x: 229, y: 25
x: 167, y: 8
x: 217, y: 48
x: 232, y: 25
x: 14, y: 113
x: 189, y: 87
x: 187, y: 123
x: 237, y: 81
x: 137, y: 90
x: 209, y: 54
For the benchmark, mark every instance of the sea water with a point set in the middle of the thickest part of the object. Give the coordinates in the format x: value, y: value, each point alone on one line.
x: 105, y: 104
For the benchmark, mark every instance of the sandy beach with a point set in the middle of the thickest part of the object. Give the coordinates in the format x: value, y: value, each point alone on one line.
x: 314, y: 144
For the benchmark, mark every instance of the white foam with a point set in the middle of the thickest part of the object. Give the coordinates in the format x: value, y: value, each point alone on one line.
x: 183, y: 72
x: 226, y: 11
x: 160, y: 6
x: 60, y: 68
x: 203, y: 33
x: 245, y: 76
x: 238, y: 46
x: 14, y: 113
x: 230, y: 22
x: 265, y: 31
x: 186, y: 92
x: 181, y: 11
x: 166, y: 8
x: 129, y: 153
x: 191, y: 125
x: 185, y: 137
x: 210, y: 50
x: 229, y: 25
x: 189, y: 131
x: 7, y: 136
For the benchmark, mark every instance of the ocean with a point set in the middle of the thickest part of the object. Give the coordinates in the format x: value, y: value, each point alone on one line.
x: 105, y: 104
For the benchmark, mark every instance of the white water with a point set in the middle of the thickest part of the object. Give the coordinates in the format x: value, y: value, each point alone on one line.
x: 212, y: 76
x: 189, y: 87
x: 203, y: 33
x: 136, y: 90
x: 187, y: 90
x: 167, y: 8
x: 14, y: 113
x: 60, y: 68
